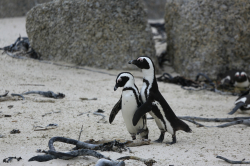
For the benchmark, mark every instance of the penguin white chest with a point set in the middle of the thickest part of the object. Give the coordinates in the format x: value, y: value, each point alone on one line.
x: 129, y: 106
x: 244, y: 84
x: 143, y: 94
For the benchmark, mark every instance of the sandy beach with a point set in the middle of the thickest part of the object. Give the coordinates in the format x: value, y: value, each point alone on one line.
x: 197, y: 148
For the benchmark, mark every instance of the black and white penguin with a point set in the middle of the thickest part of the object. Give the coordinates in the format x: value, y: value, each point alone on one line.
x: 129, y: 102
x: 241, y: 80
x: 155, y: 104
x: 236, y: 78
x: 242, y: 103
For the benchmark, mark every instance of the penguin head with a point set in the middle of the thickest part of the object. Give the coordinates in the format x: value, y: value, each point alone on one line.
x: 142, y: 62
x: 124, y: 78
x: 240, y: 76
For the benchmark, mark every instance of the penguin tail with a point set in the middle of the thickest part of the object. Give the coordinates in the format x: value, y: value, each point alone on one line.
x: 184, y: 127
x: 237, y: 106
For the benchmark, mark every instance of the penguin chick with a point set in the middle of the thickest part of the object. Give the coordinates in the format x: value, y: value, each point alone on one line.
x: 155, y: 104
x: 129, y: 102
x: 242, y: 103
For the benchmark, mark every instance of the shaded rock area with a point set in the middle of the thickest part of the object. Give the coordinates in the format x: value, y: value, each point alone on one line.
x: 208, y: 36
x: 17, y: 8
x: 155, y: 8
x: 104, y: 34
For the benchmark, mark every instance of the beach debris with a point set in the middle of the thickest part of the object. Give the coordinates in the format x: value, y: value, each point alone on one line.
x: 84, y: 98
x: 179, y: 80
x: 19, y: 95
x: 83, y: 113
x: 5, y: 94
x: 148, y: 162
x: 82, y: 148
x: 2, y: 136
x: 15, y: 131
x: 20, y: 47
x: 129, y: 143
x: 80, y: 134
x: 31, y: 84
x: 105, y: 162
x: 49, y: 94
x: 9, y: 159
x: 232, y: 121
x: 10, y: 106
x: 98, y: 112
x: 233, y: 162
x: 51, y: 113
x: 48, y: 127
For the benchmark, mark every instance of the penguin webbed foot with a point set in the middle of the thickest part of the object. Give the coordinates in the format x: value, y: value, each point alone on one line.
x: 173, y: 141
x: 161, y: 138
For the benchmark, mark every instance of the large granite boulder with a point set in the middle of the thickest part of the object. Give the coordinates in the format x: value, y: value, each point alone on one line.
x: 98, y: 33
x: 208, y: 36
x: 17, y: 8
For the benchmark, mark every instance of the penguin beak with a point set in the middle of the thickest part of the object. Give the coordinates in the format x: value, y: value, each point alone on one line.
x: 132, y: 62
x: 115, y: 88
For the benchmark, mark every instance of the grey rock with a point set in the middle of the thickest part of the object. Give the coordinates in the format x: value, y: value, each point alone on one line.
x: 208, y: 36
x: 155, y: 8
x: 17, y: 8
x: 93, y: 33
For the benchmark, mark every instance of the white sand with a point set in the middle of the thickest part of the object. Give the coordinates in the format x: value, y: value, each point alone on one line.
x: 198, y: 148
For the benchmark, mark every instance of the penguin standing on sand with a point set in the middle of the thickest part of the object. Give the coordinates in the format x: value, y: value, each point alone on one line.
x: 129, y: 102
x: 155, y: 104
x: 242, y: 103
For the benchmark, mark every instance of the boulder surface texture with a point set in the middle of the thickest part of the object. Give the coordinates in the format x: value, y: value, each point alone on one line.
x: 17, y: 8
x: 155, y: 8
x: 208, y: 36
x: 97, y: 33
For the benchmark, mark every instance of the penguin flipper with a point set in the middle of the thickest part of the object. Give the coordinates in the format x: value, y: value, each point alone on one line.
x: 115, y: 110
x: 237, y: 106
x: 142, y: 110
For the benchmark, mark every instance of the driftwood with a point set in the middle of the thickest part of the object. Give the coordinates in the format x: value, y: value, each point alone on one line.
x: 105, y: 162
x: 85, y: 98
x: 148, y: 162
x: 213, y: 119
x: 5, y: 94
x: 51, y: 113
x: 9, y: 159
x: 49, y: 126
x: 31, y: 84
x: 49, y: 94
x: 233, y: 162
x: 82, y: 148
x: 98, y: 112
x: 53, y: 154
x: 242, y: 121
x: 129, y: 143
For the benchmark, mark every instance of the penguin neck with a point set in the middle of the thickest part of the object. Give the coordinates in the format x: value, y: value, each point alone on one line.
x: 129, y: 84
x: 148, y: 74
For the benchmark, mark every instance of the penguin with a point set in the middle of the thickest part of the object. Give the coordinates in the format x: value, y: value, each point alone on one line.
x: 236, y: 78
x: 242, y: 103
x: 241, y: 80
x: 129, y: 102
x: 155, y: 104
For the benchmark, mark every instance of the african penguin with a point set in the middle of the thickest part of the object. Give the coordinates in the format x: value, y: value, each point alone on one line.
x: 241, y: 80
x: 235, y: 78
x: 242, y: 103
x: 155, y: 104
x: 129, y: 102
